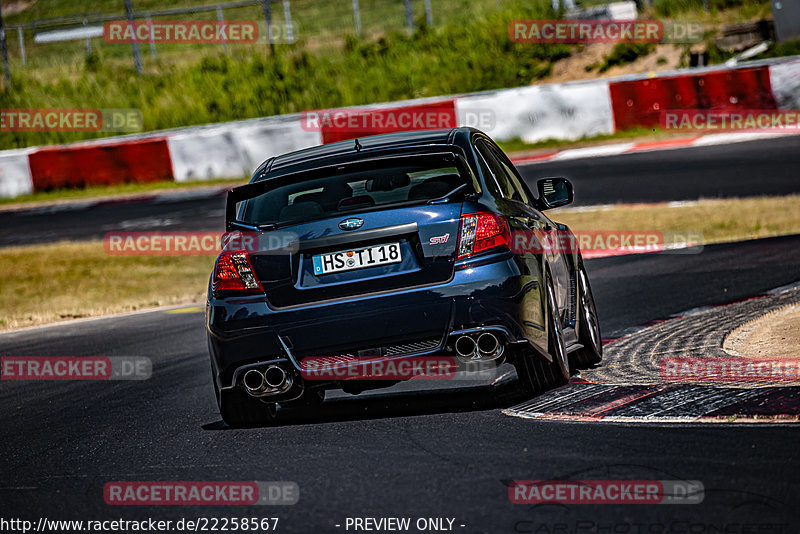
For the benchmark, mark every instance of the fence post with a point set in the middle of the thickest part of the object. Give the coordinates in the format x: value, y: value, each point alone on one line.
x: 152, y: 39
x: 357, y: 17
x: 137, y: 57
x: 268, y: 19
x: 4, y: 48
x: 22, y: 46
x: 409, y: 15
x: 221, y: 20
x: 88, y: 40
x: 287, y: 17
x: 428, y: 13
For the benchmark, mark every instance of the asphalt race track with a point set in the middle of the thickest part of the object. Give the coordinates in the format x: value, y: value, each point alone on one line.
x: 419, y: 454
x: 753, y: 168
x: 405, y: 451
x: 767, y: 167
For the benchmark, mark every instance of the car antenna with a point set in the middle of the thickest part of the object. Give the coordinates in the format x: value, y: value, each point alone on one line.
x: 358, y: 146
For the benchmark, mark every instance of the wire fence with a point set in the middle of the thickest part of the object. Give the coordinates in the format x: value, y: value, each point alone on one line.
x: 56, y: 41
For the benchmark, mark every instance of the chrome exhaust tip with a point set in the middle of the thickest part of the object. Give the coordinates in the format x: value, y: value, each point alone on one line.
x: 274, y: 376
x: 465, y: 347
x: 253, y: 381
x: 488, y: 344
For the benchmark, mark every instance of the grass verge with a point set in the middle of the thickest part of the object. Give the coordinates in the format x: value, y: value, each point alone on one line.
x: 719, y: 220
x: 50, y: 283
x: 67, y: 280
x: 644, y: 134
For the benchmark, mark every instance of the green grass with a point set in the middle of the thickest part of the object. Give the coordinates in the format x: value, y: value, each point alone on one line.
x: 720, y: 55
x: 624, y: 53
x: 467, y: 49
x: 671, y: 8
x: 215, y: 87
x: 518, y: 145
x: 49, y: 283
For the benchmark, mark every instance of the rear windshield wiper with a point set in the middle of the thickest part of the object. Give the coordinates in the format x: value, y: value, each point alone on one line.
x: 446, y: 197
x: 255, y: 227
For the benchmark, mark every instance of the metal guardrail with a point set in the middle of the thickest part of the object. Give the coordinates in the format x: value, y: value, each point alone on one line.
x: 97, y: 16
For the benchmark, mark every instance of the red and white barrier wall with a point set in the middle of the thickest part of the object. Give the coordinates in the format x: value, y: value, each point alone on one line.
x: 234, y: 149
x: 566, y: 111
x: 15, y: 173
x: 557, y: 111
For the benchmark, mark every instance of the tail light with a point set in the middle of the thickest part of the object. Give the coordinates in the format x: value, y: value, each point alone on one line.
x: 480, y: 232
x: 233, y: 273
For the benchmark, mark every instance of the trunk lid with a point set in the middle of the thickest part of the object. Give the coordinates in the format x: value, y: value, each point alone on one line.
x: 354, y: 229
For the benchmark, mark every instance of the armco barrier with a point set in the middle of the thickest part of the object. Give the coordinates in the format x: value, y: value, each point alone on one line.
x: 539, y: 112
x: 639, y: 103
x: 139, y: 161
x: 15, y: 173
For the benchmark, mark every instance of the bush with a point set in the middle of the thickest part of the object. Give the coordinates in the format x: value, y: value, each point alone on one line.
x: 624, y: 53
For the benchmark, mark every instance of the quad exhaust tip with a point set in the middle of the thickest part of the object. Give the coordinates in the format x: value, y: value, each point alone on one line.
x: 466, y: 347
x: 487, y: 344
x: 254, y: 381
x: 273, y: 377
x: 484, y: 346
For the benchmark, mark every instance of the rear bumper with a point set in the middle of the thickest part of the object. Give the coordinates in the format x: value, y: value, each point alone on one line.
x: 495, y: 292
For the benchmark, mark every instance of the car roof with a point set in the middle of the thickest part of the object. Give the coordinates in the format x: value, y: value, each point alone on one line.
x: 346, y: 150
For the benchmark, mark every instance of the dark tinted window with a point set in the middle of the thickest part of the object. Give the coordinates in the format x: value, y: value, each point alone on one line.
x: 506, y: 180
x: 519, y: 189
x: 347, y: 192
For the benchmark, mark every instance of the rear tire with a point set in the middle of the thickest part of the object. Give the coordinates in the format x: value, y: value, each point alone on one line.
x: 238, y: 409
x: 588, y: 325
x: 536, y: 374
x: 555, y: 341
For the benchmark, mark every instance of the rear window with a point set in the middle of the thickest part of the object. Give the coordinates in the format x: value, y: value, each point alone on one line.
x: 346, y: 192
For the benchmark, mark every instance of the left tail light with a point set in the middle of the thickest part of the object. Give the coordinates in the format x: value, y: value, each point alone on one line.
x: 233, y: 274
x: 480, y: 232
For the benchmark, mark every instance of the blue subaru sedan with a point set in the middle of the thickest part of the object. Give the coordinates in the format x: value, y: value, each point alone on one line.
x: 418, y: 247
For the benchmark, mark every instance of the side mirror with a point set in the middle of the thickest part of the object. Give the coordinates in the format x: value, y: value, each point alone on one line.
x: 554, y: 192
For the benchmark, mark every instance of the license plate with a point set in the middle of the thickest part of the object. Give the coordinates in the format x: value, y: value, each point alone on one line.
x: 359, y: 258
